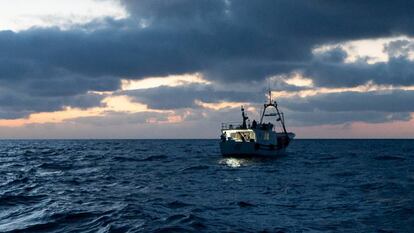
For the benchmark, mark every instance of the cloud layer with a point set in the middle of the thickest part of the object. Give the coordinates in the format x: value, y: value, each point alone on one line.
x: 236, y: 45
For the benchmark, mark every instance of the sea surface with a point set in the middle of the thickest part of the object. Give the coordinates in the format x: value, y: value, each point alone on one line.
x: 187, y: 186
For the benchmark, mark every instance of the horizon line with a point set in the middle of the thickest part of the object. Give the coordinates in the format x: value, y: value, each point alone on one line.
x: 34, y: 139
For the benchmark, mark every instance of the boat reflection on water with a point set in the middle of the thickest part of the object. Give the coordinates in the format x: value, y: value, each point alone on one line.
x: 233, y: 162
x: 243, y: 161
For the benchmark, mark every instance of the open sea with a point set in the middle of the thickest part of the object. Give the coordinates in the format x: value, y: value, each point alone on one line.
x: 186, y: 186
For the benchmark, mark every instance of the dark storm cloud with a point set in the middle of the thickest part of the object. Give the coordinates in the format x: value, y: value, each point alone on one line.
x: 106, y: 52
x: 347, y: 107
x: 381, y: 101
x: 227, y: 41
x: 334, y: 108
x: 337, y: 118
x: 171, y: 12
x: 326, y: 19
x: 244, y: 39
x: 335, y: 55
x: 120, y: 118
x: 328, y: 70
x: 17, y: 105
x: 399, y: 48
x: 280, y: 84
x: 166, y: 97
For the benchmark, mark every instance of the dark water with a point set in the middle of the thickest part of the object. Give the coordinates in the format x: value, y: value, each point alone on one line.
x: 186, y: 186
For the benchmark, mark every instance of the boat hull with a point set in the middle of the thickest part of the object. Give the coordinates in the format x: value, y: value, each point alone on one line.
x: 232, y: 148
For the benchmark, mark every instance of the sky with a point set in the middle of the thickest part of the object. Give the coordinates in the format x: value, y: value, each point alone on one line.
x: 178, y: 68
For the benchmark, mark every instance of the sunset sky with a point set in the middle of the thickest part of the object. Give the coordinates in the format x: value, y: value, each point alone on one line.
x: 178, y: 68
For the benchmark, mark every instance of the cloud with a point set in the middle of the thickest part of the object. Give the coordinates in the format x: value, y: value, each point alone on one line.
x: 21, y: 15
x: 230, y: 42
x: 122, y: 118
x: 18, y: 105
x: 381, y: 101
x: 226, y: 40
x: 185, y: 96
x: 339, y: 118
x: 399, y: 48
x: 348, y: 107
x: 215, y: 43
x: 328, y: 69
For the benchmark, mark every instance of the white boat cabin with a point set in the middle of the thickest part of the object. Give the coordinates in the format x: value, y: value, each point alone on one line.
x: 263, y: 135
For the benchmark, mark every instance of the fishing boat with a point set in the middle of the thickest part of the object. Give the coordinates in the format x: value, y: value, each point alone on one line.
x: 257, y: 138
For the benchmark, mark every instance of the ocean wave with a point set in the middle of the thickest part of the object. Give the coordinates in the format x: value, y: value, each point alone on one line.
x: 187, y: 186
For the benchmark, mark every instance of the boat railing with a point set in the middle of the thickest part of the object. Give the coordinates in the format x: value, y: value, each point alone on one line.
x: 231, y: 125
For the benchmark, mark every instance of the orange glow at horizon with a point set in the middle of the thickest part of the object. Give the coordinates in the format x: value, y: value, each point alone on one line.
x: 51, y: 117
x: 401, y: 129
x: 111, y: 103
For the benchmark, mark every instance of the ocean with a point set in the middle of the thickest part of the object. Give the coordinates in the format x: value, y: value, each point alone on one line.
x: 187, y: 186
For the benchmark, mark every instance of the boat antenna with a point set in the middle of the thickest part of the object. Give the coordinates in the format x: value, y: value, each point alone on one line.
x: 270, y: 96
x: 244, y: 126
x: 266, y: 105
x: 270, y: 92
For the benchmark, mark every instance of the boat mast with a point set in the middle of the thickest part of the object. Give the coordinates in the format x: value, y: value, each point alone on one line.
x: 281, y: 118
x: 244, y: 126
x: 273, y: 104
